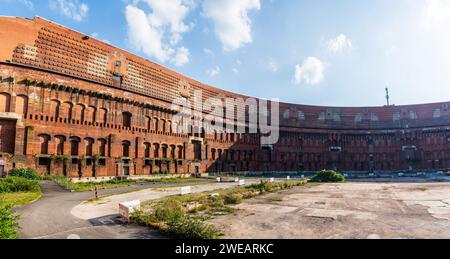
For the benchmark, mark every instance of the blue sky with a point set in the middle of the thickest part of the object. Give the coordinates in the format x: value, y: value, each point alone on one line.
x: 321, y: 52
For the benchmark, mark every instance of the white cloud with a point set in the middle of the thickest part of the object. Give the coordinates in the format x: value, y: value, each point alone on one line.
x: 437, y: 10
x: 182, y: 57
x: 27, y: 3
x: 339, y: 44
x: 272, y: 65
x: 73, y: 9
x: 159, y: 32
x: 231, y: 21
x: 213, y: 71
x: 311, y: 71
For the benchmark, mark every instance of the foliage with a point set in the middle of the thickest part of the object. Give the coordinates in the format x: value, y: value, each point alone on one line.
x: 233, y: 199
x: 18, y: 198
x: 9, y: 228
x: 328, y: 176
x: 191, y: 228
x: 7, y: 156
x: 27, y: 173
x: 262, y: 187
x: 60, y: 158
x: 170, y: 210
x: 90, y: 186
x: 173, y: 180
x: 17, y: 184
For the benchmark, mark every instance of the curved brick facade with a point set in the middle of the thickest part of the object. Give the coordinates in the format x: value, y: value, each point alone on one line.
x: 75, y: 106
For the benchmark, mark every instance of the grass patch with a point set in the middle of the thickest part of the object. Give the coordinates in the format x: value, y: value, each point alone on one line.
x: 173, y: 180
x: 14, y: 199
x: 185, y: 216
x: 89, y: 186
x: 15, y: 191
x: 112, y: 184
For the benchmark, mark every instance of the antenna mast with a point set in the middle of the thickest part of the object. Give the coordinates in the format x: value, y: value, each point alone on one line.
x: 387, y: 96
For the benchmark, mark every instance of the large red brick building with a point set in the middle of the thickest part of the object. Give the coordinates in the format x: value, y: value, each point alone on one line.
x: 71, y: 105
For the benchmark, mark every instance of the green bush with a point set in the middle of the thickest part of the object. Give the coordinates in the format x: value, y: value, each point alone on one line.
x: 17, y: 184
x: 9, y: 228
x: 190, y: 228
x: 262, y: 187
x: 328, y: 176
x: 233, y: 199
x: 26, y: 173
x: 169, y: 211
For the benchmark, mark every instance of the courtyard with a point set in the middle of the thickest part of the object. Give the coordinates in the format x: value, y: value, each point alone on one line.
x: 355, y: 210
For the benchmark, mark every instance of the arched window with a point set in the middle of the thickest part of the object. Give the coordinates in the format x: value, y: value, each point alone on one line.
x: 164, y: 151
x: 102, y: 147
x: 79, y: 113
x: 163, y: 126
x: 5, y: 100
x: 22, y: 104
x: 180, y: 152
x: 172, y: 151
x: 74, y: 144
x: 89, y: 143
x: 156, y: 127
x: 213, y: 154
x: 55, y: 106
x: 156, y: 151
x: 102, y: 116
x: 126, y: 119
x: 44, y: 140
x: 91, y: 114
x: 126, y: 148
x: 148, y: 123
x: 147, y: 150
x: 65, y: 112
x: 60, y: 140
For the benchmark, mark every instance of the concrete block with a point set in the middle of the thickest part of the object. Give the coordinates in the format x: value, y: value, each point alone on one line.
x: 127, y: 208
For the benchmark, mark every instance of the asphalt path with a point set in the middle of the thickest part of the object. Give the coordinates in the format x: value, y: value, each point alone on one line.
x: 50, y: 217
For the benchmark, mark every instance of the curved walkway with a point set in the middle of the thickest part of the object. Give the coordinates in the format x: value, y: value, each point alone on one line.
x: 50, y: 216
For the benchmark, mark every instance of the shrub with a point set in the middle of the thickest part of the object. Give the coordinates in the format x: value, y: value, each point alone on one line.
x: 233, y: 199
x: 26, y: 173
x: 261, y: 187
x: 190, y: 228
x: 328, y: 176
x: 17, y: 184
x: 4, y: 186
x: 9, y: 228
x: 169, y: 211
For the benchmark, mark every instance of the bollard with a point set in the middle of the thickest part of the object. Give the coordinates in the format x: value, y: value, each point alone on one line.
x: 96, y: 192
x: 288, y: 178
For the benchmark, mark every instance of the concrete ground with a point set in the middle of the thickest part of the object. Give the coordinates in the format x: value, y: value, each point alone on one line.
x: 349, y: 210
